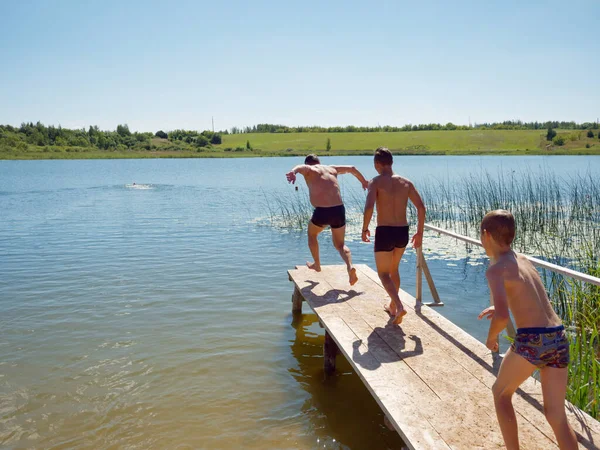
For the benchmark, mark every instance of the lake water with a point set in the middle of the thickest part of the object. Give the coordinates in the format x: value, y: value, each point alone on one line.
x: 158, y: 315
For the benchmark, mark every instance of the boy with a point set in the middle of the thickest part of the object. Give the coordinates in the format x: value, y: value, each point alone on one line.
x: 325, y: 196
x: 391, y: 192
x: 540, y: 342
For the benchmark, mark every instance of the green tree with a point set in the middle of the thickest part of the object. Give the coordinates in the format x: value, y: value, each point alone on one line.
x: 161, y: 134
x: 248, y: 146
x: 559, y: 140
x: 551, y: 134
x: 201, y: 141
x: 590, y: 134
x: 328, y: 144
x: 216, y: 139
x: 123, y: 130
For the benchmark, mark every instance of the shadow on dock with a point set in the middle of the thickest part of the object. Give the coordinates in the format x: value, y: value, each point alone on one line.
x: 586, y: 441
x: 367, y: 361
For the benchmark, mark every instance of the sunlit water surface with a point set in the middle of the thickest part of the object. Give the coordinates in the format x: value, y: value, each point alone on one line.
x: 157, y: 315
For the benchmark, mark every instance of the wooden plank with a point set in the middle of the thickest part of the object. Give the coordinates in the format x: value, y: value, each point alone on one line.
x: 480, y: 363
x: 397, y: 390
x: 333, y: 301
x: 478, y: 431
x: 451, y: 383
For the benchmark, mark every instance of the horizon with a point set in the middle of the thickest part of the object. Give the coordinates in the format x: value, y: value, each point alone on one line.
x: 242, y: 130
x: 339, y: 64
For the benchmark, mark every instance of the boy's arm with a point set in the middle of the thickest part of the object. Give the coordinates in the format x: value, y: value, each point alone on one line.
x: 368, y: 212
x: 302, y: 169
x: 495, y: 277
x: 416, y: 200
x: 354, y: 171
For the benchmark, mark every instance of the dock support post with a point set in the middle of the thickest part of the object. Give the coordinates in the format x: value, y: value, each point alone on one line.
x: 330, y: 351
x: 297, y: 300
x: 423, y: 269
x: 419, y: 296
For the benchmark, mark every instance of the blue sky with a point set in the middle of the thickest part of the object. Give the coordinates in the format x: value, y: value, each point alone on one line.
x: 165, y: 65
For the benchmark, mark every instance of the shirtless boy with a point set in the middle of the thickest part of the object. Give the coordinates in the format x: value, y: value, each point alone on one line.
x: 540, y: 342
x: 325, y: 196
x: 391, y: 192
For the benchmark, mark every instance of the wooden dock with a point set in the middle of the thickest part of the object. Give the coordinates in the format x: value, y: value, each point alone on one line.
x: 432, y: 379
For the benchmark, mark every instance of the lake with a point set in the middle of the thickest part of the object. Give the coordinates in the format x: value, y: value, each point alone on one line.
x: 159, y: 316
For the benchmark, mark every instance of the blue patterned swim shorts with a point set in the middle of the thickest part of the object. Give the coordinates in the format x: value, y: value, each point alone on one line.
x: 543, y: 347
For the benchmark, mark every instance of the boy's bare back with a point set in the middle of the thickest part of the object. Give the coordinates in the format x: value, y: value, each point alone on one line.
x: 393, y: 193
x: 525, y: 292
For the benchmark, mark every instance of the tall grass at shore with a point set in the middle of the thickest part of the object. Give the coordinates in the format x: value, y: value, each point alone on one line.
x: 558, y: 219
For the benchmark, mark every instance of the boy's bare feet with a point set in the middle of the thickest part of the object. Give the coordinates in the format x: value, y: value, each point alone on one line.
x: 353, y: 277
x: 313, y: 266
x: 399, y: 316
x: 390, y: 309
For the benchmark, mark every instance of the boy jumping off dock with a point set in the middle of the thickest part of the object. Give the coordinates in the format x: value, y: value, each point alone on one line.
x: 325, y: 196
x: 391, y: 193
x: 540, y: 342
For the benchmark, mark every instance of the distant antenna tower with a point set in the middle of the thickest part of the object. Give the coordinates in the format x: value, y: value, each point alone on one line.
x: 469, y: 121
x: 213, y: 123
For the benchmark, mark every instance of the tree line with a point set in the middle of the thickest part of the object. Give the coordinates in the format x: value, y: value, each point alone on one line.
x: 120, y: 139
x: 123, y: 138
x: 506, y: 125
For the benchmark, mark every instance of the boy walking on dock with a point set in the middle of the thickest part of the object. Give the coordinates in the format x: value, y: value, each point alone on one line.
x: 540, y: 342
x: 325, y: 196
x: 390, y: 193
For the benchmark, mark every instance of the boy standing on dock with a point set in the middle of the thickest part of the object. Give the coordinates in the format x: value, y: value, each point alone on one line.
x: 391, y: 192
x: 325, y: 196
x: 540, y: 342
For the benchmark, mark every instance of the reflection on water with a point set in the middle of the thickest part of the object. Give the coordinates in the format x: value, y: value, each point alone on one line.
x: 342, y: 412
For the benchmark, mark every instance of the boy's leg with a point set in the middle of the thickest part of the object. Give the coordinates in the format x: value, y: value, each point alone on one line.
x: 554, y: 389
x: 383, y: 261
x: 313, y: 245
x: 395, y: 271
x: 337, y: 236
x: 513, y: 371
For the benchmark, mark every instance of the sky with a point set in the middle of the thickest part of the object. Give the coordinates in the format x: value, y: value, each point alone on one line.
x: 167, y: 65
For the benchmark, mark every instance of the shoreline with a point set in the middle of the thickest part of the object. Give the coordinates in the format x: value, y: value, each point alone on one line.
x: 254, y: 154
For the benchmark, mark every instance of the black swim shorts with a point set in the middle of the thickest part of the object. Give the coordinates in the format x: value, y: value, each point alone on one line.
x: 334, y: 216
x: 389, y: 238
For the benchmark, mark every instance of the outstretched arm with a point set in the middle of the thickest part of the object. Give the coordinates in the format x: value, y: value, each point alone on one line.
x: 368, y: 213
x: 415, y: 198
x: 302, y: 169
x: 354, y: 171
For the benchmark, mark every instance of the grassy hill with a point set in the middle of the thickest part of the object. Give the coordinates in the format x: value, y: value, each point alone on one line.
x: 458, y: 142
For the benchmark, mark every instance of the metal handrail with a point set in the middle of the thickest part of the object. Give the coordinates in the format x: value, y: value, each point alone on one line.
x: 535, y: 261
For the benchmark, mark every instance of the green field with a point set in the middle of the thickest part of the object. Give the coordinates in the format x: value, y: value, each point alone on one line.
x: 458, y: 142
x: 417, y: 142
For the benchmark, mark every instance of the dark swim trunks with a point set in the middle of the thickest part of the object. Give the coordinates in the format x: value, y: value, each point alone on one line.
x: 334, y: 216
x: 543, y: 347
x: 389, y: 238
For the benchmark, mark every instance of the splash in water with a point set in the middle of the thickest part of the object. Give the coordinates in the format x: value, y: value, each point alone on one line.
x: 138, y: 186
